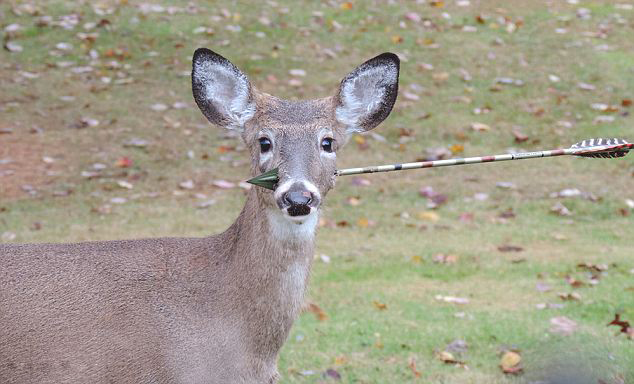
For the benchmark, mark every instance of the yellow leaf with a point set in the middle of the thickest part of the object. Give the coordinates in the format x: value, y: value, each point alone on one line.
x: 428, y: 215
x: 457, y: 148
x: 363, y: 222
x: 510, y: 362
x: 437, y: 3
x: 346, y: 6
x: 446, y: 357
x: 354, y: 201
x: 417, y: 259
x: 340, y: 360
x: 396, y: 39
x: 440, y: 76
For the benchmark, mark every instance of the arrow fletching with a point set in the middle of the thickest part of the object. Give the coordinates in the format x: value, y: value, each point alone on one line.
x: 606, y: 148
x: 266, y: 180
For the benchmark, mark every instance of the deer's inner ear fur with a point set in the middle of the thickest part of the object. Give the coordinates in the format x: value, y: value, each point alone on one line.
x: 367, y: 95
x: 223, y: 93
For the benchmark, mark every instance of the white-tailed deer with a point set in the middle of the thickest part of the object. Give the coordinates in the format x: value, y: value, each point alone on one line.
x: 193, y: 310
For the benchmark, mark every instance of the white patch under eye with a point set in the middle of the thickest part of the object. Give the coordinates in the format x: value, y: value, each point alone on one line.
x: 266, y: 156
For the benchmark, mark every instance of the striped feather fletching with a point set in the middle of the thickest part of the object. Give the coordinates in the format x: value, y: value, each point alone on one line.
x: 600, y: 147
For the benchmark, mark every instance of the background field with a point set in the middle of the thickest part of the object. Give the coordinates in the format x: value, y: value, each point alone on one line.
x: 100, y: 139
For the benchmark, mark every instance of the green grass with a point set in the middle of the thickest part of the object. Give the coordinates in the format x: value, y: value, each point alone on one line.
x: 391, y: 262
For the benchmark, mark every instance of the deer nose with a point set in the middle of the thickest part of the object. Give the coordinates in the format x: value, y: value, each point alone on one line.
x: 298, y: 197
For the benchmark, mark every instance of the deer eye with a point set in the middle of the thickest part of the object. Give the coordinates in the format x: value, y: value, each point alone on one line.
x: 326, y: 144
x: 265, y: 144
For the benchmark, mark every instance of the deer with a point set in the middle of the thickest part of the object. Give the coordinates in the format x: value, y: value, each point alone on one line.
x: 214, y: 309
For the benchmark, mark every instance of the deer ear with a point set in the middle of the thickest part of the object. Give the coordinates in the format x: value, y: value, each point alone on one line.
x: 367, y: 95
x: 222, y: 92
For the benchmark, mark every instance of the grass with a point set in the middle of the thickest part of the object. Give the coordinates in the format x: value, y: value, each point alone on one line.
x: 392, y: 261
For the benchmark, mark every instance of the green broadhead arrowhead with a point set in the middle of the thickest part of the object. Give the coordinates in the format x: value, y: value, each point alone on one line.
x: 266, y: 180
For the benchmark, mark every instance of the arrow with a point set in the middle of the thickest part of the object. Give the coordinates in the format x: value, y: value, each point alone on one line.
x: 604, y: 148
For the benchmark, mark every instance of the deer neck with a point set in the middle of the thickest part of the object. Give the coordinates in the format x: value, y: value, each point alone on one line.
x: 272, y: 249
x: 269, y: 269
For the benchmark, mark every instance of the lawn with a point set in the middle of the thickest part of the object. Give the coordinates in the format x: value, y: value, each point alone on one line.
x: 100, y: 139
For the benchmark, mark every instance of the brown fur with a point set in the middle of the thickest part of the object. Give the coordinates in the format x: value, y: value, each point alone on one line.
x: 171, y: 310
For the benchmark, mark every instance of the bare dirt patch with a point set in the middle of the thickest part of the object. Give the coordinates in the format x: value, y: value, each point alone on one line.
x: 28, y: 163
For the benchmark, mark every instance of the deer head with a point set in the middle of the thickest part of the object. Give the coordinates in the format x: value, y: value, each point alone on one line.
x: 300, y: 138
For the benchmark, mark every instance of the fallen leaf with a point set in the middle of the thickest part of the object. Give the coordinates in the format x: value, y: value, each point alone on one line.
x: 569, y: 296
x: 13, y: 47
x: 123, y: 162
x: 346, y: 6
x: 511, y: 362
x: 543, y: 287
x: 625, y: 326
x: 223, y: 184
x: 480, y: 127
x: 353, y: 200
x: 510, y: 248
x: 316, y: 310
x: 378, y: 305
x: 452, y: 299
x: 560, y: 209
x: 396, y: 39
x: 412, y: 16
x: 562, y: 325
x: 442, y: 258
x: 136, y: 142
x: 125, y: 184
x: 519, y: 136
x: 297, y: 72
x: 411, y: 363
x: 428, y: 216
x: 332, y: 374
x: 365, y: 223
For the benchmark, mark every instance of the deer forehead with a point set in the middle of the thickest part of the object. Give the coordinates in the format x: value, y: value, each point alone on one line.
x: 296, y: 119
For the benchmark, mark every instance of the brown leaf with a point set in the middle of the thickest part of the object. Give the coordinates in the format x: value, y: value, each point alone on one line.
x: 442, y: 258
x: 625, y: 326
x: 316, y: 310
x: 378, y: 305
x: 411, y: 363
x: 574, y: 282
x: 509, y: 248
x: 569, y: 296
x: 519, y: 136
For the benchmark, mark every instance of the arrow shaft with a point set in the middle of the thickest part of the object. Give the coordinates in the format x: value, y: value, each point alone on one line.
x: 471, y: 160
x: 600, y: 147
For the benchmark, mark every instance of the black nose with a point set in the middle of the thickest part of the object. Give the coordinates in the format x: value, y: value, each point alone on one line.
x: 298, y: 197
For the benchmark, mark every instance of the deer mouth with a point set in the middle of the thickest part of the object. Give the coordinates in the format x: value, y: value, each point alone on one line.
x: 298, y: 210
